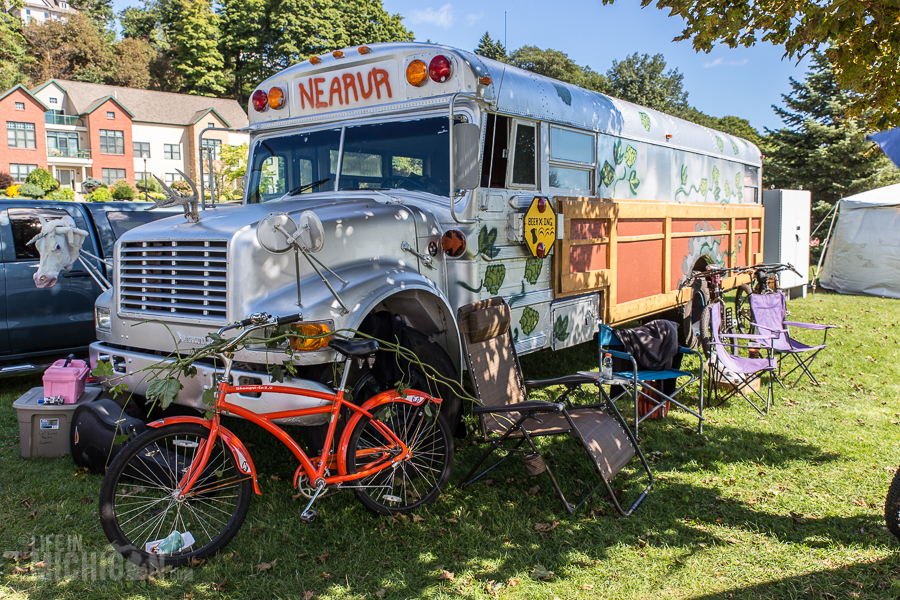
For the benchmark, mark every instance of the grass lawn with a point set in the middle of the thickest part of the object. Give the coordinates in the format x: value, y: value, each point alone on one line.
x: 790, y: 506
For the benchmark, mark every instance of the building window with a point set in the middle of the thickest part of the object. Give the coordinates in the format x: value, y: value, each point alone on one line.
x: 20, y: 135
x: 210, y: 124
x: 54, y: 100
x: 20, y: 106
x: 110, y: 176
x: 214, y: 145
x: 61, y: 143
x: 110, y: 114
x: 172, y: 177
x: 141, y: 149
x: 112, y: 142
x: 172, y: 151
x: 20, y: 172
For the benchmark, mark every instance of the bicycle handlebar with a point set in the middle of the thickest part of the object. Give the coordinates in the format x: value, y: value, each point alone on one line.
x: 258, y: 321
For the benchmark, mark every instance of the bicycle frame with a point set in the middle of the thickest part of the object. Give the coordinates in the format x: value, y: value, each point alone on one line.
x: 313, y: 468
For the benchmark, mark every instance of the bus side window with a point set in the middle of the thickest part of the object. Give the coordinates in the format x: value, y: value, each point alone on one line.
x: 524, y: 155
x: 493, y: 164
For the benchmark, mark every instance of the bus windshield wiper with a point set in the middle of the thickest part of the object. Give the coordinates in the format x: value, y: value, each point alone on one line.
x: 307, y: 186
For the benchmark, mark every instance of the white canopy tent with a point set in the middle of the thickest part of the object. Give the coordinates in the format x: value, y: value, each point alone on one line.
x: 863, y: 254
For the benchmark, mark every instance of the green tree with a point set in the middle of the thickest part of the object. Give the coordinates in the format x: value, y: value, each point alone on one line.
x: 13, y: 57
x: 643, y: 79
x: 820, y: 149
x: 131, y: 62
x: 556, y: 64
x: 245, y: 41
x: 491, y: 49
x: 863, y: 40
x: 78, y: 48
x: 99, y: 11
x: 139, y: 23
x: 195, y: 53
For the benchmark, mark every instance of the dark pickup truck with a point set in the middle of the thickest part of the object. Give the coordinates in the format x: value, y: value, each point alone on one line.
x: 38, y: 325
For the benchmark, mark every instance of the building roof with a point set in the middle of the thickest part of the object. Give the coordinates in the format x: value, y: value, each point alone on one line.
x: 55, y: 6
x: 101, y: 101
x: 150, y: 106
x: 26, y: 92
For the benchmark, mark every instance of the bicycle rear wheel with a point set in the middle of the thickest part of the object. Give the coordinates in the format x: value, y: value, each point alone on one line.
x: 409, y: 484
x: 742, y: 311
x: 140, y: 513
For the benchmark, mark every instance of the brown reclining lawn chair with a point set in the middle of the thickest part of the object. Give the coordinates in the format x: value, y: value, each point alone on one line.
x: 509, y: 420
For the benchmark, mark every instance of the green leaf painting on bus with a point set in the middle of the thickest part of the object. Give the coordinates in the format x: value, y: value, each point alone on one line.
x: 737, y: 181
x: 683, y: 176
x: 529, y: 320
x: 720, y: 144
x: 645, y: 121
x: 618, y: 152
x: 630, y: 155
x: 633, y: 182
x: 734, y: 146
x: 704, y: 185
x: 607, y: 174
x: 561, y: 328
x: 493, y: 277
x: 715, y: 174
x: 533, y: 268
x: 727, y: 189
x: 486, y: 240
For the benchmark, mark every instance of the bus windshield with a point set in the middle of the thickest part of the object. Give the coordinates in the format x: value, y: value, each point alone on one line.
x: 413, y: 155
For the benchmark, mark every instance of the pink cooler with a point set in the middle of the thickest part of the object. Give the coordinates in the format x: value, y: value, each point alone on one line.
x: 65, y: 381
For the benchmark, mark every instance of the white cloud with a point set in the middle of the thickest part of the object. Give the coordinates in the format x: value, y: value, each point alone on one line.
x: 473, y: 18
x: 720, y: 62
x: 442, y: 17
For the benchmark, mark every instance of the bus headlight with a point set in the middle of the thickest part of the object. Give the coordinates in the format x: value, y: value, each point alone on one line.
x: 102, y: 319
x: 309, y: 337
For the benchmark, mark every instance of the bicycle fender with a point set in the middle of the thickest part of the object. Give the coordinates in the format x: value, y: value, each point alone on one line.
x: 244, y: 462
x: 413, y: 397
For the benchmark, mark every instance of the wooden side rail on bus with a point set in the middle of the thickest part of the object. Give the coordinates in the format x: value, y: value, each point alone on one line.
x: 636, y: 252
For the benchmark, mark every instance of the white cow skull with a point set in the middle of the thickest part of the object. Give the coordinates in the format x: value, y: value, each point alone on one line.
x: 58, y: 243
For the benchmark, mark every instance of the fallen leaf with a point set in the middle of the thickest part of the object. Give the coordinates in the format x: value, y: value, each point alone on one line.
x: 32, y: 514
x: 325, y: 575
x: 256, y: 530
x: 451, y: 520
x: 274, y: 477
x: 40, y: 565
x: 545, y: 527
x: 417, y: 519
x: 446, y: 576
x: 26, y: 501
x: 323, y: 557
x: 86, y: 500
x: 196, y: 562
x: 539, y: 572
x: 587, y: 586
x: 797, y: 517
x: 380, y: 593
x: 263, y: 567
x: 307, y: 595
x: 18, y: 570
x: 488, y: 482
x: 533, y: 490
x: 513, y: 582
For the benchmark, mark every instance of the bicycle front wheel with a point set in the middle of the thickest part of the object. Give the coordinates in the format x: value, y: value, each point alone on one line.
x: 141, y: 513
x: 408, y: 484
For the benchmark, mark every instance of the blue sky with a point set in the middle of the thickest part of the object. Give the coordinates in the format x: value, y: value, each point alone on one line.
x: 745, y: 82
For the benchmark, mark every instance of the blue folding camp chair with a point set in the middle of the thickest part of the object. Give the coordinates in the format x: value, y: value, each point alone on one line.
x: 641, y: 380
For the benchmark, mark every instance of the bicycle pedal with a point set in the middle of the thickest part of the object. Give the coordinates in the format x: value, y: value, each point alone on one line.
x: 308, y: 516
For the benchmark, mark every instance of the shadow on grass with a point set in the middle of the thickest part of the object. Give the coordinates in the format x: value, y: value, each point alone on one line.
x: 872, y: 580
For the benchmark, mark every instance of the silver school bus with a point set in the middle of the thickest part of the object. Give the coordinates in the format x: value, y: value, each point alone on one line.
x: 438, y: 177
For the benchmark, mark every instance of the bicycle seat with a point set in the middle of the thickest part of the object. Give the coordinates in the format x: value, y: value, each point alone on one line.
x: 357, y: 348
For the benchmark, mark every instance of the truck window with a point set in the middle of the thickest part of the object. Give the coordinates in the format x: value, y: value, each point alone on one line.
x: 496, y: 143
x: 25, y: 225
x: 524, y: 155
x: 282, y: 164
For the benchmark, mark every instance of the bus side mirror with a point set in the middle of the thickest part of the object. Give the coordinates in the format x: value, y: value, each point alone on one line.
x: 242, y: 182
x: 466, y: 144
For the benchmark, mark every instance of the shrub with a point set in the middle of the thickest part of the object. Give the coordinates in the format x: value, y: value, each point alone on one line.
x: 31, y: 190
x: 62, y: 195
x: 149, y: 184
x: 6, y: 180
x: 12, y: 191
x: 43, y: 179
x: 90, y: 184
x: 157, y: 196
x: 122, y: 190
x: 101, y: 194
x: 181, y: 186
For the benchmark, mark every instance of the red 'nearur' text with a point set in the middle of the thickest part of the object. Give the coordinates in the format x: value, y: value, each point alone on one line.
x: 344, y: 89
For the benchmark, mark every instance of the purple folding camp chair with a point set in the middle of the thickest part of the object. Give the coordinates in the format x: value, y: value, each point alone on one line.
x: 740, y: 371
x: 769, y: 312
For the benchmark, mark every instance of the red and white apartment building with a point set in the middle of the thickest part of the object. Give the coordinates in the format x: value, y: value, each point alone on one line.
x: 79, y: 130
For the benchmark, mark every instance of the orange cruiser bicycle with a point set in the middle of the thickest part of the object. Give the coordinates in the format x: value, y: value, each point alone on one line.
x: 180, y: 491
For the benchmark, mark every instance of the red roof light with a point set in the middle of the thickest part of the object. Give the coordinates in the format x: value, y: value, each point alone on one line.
x: 439, y: 68
x: 260, y: 100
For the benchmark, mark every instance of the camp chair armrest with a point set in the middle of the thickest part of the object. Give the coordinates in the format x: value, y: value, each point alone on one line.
x: 766, y: 348
x: 809, y: 325
x: 527, y: 406
x: 617, y: 354
x: 572, y: 380
x: 772, y: 329
x: 746, y: 336
x: 684, y: 350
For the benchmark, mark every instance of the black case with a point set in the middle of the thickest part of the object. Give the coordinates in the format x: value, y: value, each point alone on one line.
x: 94, y: 428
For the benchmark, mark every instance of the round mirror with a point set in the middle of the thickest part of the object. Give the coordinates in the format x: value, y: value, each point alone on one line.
x: 312, y: 233
x: 275, y: 232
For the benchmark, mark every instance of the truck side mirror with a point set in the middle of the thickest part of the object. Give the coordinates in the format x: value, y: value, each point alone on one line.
x: 242, y: 182
x: 466, y: 142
